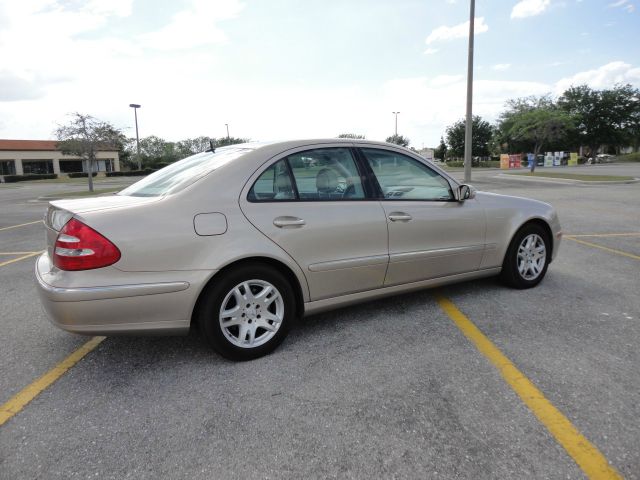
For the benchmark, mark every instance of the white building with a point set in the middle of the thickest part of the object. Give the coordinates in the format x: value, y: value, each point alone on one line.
x: 22, y: 157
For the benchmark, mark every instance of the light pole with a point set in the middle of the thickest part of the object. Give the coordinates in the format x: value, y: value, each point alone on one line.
x: 227, y: 125
x: 135, y: 107
x: 468, y: 126
x: 396, y: 114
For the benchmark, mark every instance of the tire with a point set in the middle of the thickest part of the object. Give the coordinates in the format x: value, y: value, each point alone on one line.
x: 527, y: 258
x: 248, y: 312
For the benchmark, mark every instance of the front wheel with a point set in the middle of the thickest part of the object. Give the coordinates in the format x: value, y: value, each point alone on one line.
x: 527, y: 258
x: 248, y: 312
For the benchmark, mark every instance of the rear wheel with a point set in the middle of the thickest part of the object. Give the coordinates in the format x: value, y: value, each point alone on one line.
x: 248, y: 312
x: 527, y: 258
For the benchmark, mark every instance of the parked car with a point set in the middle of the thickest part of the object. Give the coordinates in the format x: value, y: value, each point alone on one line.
x: 247, y: 238
x: 601, y: 158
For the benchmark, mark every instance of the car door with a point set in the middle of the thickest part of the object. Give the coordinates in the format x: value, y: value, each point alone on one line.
x: 431, y: 234
x: 314, y: 204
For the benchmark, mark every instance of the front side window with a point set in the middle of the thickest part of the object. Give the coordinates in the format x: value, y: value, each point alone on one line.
x: 403, y: 178
x: 326, y: 174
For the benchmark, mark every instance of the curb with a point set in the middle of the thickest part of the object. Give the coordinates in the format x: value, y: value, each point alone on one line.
x: 566, y: 181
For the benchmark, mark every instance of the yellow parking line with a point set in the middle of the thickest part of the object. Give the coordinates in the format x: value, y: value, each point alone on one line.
x: 22, y: 398
x: 634, y: 234
x: 16, y: 253
x: 585, y: 454
x: 20, y: 258
x: 612, y: 250
x: 21, y: 225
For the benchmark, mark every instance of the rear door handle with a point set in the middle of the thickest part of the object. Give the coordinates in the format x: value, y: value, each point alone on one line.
x: 289, y: 222
x: 399, y: 217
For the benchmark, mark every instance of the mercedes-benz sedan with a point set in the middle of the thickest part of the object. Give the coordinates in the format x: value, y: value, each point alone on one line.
x: 244, y: 239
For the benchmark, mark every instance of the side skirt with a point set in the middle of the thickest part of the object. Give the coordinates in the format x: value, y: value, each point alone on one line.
x: 326, y: 304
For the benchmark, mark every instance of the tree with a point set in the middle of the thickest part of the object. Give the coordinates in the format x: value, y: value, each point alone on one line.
x: 224, y: 141
x: 84, y: 136
x: 532, y: 123
x: 441, y: 150
x: 609, y: 117
x: 355, y: 136
x: 481, y: 134
x: 398, y: 140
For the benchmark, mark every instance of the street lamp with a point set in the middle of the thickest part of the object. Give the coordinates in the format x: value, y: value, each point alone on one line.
x: 135, y: 107
x: 396, y: 114
x: 468, y: 127
x: 227, y: 125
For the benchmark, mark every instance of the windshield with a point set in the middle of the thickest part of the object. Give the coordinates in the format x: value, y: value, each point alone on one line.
x: 183, y: 173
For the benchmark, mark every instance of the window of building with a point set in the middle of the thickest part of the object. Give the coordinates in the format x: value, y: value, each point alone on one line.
x: 37, y: 166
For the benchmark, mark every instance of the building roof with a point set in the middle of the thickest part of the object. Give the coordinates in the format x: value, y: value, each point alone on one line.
x: 44, y: 145
x: 35, y: 145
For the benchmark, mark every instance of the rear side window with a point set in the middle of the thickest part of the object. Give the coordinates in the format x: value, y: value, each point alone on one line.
x: 273, y: 185
x: 326, y: 174
x: 403, y: 178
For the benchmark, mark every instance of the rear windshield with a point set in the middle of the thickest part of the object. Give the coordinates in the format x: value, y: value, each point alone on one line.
x: 181, y: 174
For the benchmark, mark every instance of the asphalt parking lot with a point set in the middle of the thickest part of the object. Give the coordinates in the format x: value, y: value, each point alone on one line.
x: 398, y: 388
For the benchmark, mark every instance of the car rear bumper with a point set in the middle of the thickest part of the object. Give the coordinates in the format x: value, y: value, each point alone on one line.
x: 159, y: 307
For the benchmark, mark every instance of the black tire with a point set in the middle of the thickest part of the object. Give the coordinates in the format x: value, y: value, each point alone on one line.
x: 511, y: 274
x: 226, y: 340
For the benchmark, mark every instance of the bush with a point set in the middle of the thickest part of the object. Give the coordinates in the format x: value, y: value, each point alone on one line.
x: 30, y: 176
x: 629, y: 157
x: 132, y: 173
x: 81, y: 174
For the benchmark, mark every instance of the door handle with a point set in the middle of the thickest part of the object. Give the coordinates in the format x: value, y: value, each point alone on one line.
x: 399, y: 217
x: 289, y: 222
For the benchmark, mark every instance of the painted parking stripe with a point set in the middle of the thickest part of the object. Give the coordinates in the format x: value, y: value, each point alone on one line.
x: 635, y: 234
x: 20, y: 258
x: 22, y: 398
x: 584, y: 453
x: 17, y: 253
x: 21, y: 225
x: 606, y: 249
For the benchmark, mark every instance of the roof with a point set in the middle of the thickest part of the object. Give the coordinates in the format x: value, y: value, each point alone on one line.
x: 46, y: 145
x: 34, y: 145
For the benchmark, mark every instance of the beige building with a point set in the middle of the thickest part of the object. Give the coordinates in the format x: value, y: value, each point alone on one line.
x: 22, y: 157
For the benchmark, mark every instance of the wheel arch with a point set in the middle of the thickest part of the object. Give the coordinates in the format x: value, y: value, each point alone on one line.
x: 542, y: 223
x: 277, y: 265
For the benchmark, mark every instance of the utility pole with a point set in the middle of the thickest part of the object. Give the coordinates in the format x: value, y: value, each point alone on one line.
x: 468, y: 126
x: 135, y: 107
x: 396, y: 114
x: 227, y: 125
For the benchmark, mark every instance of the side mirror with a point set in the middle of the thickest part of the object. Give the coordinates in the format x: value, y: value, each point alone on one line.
x: 466, y: 192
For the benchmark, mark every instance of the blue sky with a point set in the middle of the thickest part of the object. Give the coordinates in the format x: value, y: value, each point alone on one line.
x: 275, y: 69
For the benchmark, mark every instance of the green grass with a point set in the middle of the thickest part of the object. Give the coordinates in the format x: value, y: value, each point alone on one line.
x: 576, y: 176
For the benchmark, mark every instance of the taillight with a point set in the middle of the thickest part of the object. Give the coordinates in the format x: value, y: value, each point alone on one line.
x: 80, y: 247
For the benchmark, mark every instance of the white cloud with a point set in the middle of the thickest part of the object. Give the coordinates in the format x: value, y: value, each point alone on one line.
x: 195, y: 26
x: 605, y: 76
x: 624, y: 4
x: 501, y: 67
x: 444, y: 33
x: 529, y: 8
x: 430, y: 51
x: 619, y: 3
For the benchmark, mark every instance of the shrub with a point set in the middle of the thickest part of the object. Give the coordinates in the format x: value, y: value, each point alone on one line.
x: 30, y: 176
x: 132, y: 173
x: 81, y: 174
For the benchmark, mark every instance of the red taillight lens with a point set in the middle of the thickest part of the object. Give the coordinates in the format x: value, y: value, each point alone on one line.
x: 79, y: 247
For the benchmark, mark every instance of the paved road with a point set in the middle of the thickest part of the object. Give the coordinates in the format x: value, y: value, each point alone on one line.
x: 389, y: 389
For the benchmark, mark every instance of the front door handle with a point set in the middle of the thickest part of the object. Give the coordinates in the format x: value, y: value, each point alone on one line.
x: 288, y: 222
x: 399, y: 217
